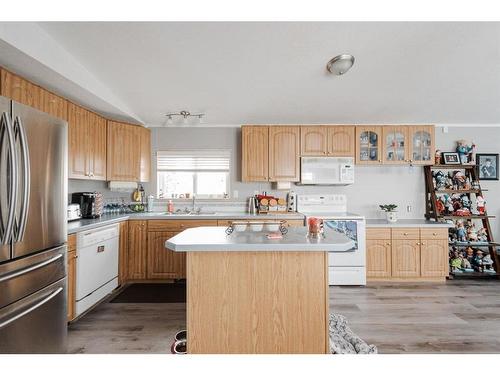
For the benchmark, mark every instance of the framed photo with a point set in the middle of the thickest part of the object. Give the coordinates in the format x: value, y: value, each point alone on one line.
x: 487, y: 165
x: 451, y: 158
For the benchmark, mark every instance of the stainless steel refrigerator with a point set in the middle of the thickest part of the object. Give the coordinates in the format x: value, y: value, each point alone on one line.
x: 33, y: 198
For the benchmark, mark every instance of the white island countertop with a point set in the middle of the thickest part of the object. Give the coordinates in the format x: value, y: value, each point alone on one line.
x: 216, y: 239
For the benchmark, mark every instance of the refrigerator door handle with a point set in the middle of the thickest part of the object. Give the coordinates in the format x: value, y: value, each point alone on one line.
x: 20, y: 134
x: 30, y: 269
x: 33, y: 307
x: 12, y: 171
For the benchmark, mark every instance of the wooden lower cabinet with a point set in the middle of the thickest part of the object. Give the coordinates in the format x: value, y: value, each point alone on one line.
x: 123, y: 254
x: 405, y: 258
x: 71, y: 277
x: 137, y: 249
x: 164, y: 263
x: 378, y: 258
x: 407, y: 254
x: 434, y: 258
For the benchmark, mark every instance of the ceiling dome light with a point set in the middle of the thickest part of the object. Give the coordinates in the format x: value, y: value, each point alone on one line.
x: 340, y: 64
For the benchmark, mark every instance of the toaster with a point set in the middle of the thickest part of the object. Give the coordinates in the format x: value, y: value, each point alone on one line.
x: 91, y: 204
x: 73, y: 212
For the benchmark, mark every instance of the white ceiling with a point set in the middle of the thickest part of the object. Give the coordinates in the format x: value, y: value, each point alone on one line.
x: 238, y: 73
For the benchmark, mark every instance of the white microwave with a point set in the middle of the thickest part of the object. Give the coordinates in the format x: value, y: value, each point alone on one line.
x: 326, y: 170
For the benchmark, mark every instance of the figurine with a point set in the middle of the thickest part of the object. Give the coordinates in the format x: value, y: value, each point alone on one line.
x: 466, y: 266
x: 456, y: 201
x: 461, y: 232
x: 482, y: 235
x: 465, y: 201
x: 468, y: 184
x: 480, y: 205
x: 440, y: 206
x: 437, y: 157
x: 456, y: 263
x: 471, y: 234
x: 488, y: 264
x: 475, y: 184
x: 462, y: 212
x: 448, y: 203
x: 478, y: 261
x: 459, y: 180
x: 469, y: 252
x: 439, y: 180
x: 465, y: 151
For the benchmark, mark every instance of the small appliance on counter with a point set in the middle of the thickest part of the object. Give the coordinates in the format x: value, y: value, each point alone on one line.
x: 91, y: 204
x: 73, y: 212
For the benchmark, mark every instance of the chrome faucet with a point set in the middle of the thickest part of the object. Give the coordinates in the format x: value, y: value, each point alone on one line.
x: 193, y: 209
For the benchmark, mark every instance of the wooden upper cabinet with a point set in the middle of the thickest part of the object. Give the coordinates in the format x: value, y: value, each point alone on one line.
x: 137, y: 249
x: 123, y: 152
x: 145, y: 154
x: 313, y: 141
x: 284, y: 153
x: 21, y: 90
x: 421, y: 144
x: 97, y: 146
x: 254, y: 153
x: 86, y: 144
x: 368, y: 145
x: 78, y: 142
x: 55, y: 105
x: 341, y: 141
x: 395, y: 144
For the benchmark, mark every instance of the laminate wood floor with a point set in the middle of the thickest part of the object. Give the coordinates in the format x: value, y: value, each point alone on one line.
x: 461, y: 316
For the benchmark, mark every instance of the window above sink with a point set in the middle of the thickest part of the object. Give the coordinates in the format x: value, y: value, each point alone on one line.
x: 182, y: 173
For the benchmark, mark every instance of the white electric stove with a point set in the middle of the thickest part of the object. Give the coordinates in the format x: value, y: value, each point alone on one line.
x: 347, y: 268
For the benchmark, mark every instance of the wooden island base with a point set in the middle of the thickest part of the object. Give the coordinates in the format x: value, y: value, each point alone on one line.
x: 257, y: 302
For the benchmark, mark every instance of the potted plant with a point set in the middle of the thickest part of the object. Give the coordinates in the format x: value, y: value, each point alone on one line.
x: 390, y: 211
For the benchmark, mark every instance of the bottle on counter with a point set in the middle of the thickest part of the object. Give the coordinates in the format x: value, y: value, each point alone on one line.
x: 170, y: 206
x: 150, y: 203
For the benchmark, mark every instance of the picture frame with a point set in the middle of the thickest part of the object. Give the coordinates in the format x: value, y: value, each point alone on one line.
x: 451, y: 158
x: 487, y: 166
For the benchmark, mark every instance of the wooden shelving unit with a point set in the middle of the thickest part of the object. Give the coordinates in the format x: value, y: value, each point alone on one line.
x: 431, y: 212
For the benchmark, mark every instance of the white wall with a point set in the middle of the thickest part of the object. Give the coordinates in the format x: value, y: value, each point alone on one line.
x: 402, y: 185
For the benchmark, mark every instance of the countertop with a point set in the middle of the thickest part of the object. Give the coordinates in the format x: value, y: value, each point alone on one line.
x: 85, y: 224
x: 406, y: 223
x: 216, y: 239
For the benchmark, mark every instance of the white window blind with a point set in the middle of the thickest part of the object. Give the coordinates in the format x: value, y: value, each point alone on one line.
x: 194, y: 160
x: 205, y: 173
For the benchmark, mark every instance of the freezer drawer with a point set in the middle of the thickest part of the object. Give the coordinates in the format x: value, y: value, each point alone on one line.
x: 25, y: 276
x: 36, y: 323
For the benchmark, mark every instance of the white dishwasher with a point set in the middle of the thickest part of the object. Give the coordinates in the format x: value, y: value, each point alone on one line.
x: 96, y: 266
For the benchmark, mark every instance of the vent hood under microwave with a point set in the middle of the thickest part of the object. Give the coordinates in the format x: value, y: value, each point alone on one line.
x: 326, y: 170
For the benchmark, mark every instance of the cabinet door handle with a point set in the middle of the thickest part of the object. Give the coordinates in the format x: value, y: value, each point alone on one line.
x: 387, y: 243
x: 434, y: 234
x: 405, y: 233
x: 422, y: 243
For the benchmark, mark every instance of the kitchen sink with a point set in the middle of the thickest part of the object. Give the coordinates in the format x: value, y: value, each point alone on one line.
x: 203, y: 213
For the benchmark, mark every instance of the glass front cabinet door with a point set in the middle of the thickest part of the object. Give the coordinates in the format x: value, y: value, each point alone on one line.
x: 395, y: 144
x: 422, y: 145
x: 368, y: 142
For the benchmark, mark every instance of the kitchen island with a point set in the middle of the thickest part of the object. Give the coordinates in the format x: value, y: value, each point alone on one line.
x: 247, y: 293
